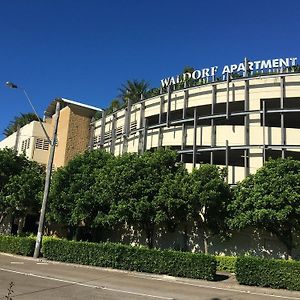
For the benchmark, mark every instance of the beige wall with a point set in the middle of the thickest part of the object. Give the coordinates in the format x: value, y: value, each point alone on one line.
x: 28, y: 136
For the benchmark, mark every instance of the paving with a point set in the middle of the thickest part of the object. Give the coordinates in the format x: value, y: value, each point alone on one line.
x: 42, y: 279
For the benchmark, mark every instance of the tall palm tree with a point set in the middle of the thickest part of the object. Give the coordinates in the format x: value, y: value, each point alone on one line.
x: 133, y: 89
x: 19, y: 121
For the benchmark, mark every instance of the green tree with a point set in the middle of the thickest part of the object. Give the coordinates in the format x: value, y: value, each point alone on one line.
x: 19, y: 121
x: 174, y: 211
x: 133, y: 89
x: 114, y: 105
x: 201, y: 196
x: 210, y: 196
x: 21, y: 185
x: 72, y: 201
x: 132, y: 184
x: 270, y: 200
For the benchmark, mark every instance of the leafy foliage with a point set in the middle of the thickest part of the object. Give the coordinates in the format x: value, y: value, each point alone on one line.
x: 72, y: 199
x: 17, y: 245
x: 270, y: 199
x: 274, y: 273
x: 19, y: 121
x: 21, y: 185
x: 132, y: 183
x: 133, y: 89
x: 124, y: 257
x: 201, y: 196
x: 226, y: 263
x: 114, y: 105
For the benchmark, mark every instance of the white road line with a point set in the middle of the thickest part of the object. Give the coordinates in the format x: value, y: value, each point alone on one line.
x: 42, y: 263
x: 17, y: 263
x: 86, y: 285
x: 216, y: 288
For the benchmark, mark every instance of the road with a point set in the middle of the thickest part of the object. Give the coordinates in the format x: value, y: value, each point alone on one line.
x: 36, y: 279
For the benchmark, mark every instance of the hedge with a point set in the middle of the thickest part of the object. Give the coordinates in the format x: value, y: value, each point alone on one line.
x: 126, y: 257
x: 226, y: 263
x: 274, y: 273
x: 17, y: 245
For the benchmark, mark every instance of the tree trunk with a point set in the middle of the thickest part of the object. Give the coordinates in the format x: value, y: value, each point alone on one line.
x: 21, y: 223
x: 185, y: 238
x: 205, y: 244
x: 149, y: 235
x: 287, y: 239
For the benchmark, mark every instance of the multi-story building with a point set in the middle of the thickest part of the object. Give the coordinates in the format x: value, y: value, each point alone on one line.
x: 238, y: 123
x: 73, y: 133
x: 235, y: 123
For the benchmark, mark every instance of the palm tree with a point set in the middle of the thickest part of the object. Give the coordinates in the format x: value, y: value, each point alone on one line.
x: 114, y: 105
x: 133, y: 90
x: 19, y: 121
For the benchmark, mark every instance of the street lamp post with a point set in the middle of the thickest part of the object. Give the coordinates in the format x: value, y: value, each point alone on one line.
x: 48, y: 171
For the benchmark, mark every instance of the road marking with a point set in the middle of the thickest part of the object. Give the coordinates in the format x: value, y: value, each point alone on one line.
x: 171, y: 280
x: 86, y: 285
x: 17, y: 263
x: 42, y: 263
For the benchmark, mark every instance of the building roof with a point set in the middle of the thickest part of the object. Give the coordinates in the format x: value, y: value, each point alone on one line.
x: 86, y: 109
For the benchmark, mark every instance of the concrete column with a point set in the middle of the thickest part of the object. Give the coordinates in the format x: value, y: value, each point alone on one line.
x: 227, y: 96
x: 282, y: 125
x: 227, y: 159
x: 183, y: 126
x: 212, y: 121
x: 264, y: 129
x: 18, y: 133
x: 113, y: 135
x: 168, y: 106
x: 142, y: 128
x: 246, y: 129
x: 145, y: 136
x: 195, y: 139
x: 160, y: 133
x: 126, y: 126
x: 102, y: 132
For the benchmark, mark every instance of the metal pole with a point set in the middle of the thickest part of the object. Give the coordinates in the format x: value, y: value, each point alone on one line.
x: 41, y: 123
x: 47, y: 184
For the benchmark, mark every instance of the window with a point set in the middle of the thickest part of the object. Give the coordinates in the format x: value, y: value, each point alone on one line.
x: 42, y: 144
x: 25, y: 144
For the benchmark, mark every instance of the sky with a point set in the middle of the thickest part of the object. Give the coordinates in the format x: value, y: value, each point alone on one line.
x: 85, y: 50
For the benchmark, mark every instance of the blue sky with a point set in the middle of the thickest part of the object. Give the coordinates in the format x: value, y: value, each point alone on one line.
x: 85, y: 50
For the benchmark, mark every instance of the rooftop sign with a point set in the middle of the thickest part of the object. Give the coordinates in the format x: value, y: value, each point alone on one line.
x: 211, y: 72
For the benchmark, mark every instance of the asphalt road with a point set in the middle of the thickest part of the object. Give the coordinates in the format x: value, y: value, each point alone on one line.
x: 35, y: 279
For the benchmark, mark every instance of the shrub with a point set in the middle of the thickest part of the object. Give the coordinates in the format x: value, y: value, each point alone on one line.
x: 17, y: 245
x: 126, y: 257
x: 226, y: 263
x: 274, y: 273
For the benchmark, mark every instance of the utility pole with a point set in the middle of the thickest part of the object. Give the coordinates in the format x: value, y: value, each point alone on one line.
x: 40, y: 232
